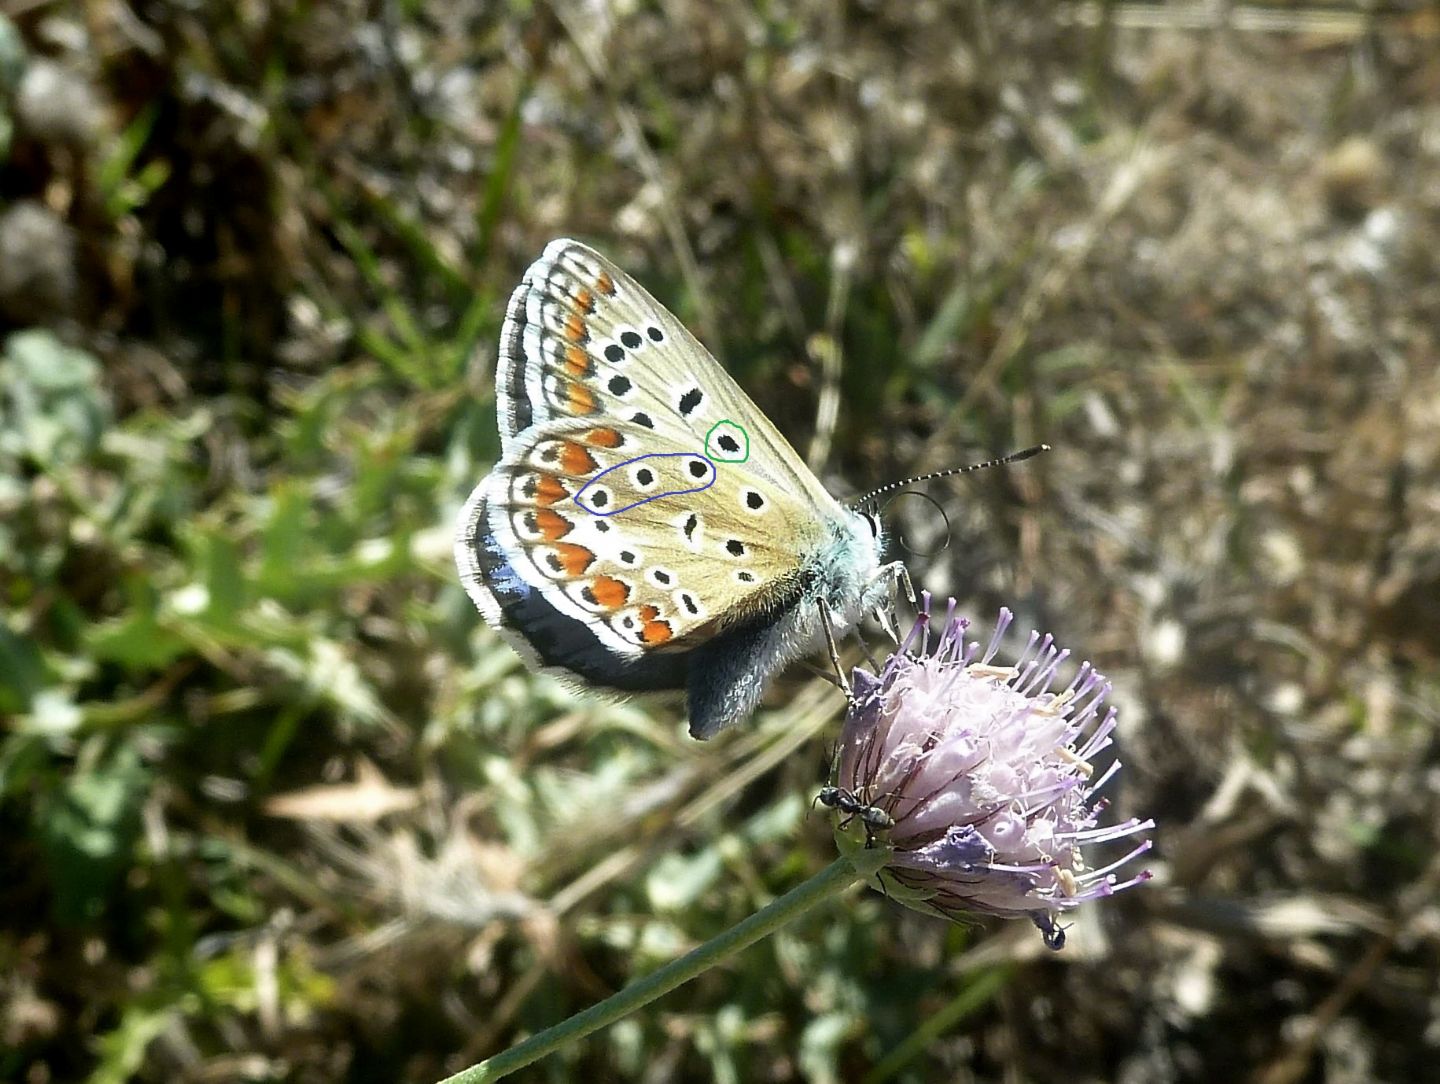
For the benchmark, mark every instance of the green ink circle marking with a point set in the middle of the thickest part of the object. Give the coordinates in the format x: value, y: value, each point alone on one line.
x: 713, y: 451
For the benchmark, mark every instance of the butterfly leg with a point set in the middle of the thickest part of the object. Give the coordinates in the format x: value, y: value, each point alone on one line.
x: 829, y: 626
x: 891, y: 574
x: 897, y: 571
x: 882, y: 618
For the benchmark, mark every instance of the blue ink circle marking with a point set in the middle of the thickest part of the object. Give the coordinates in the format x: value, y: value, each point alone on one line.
x: 714, y: 474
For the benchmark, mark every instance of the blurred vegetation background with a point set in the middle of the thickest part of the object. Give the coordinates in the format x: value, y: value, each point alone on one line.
x: 274, y: 804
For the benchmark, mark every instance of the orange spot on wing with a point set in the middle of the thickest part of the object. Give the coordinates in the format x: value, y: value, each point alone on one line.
x: 552, y: 525
x: 549, y: 491
x: 605, y: 284
x: 656, y: 632
x: 609, y: 592
x: 649, y: 613
x: 604, y: 438
x: 577, y: 362
x: 575, y: 328
x: 576, y: 559
x: 576, y: 460
x: 579, y: 398
x: 584, y: 300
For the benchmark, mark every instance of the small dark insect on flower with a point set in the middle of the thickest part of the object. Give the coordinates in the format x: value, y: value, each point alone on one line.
x: 847, y: 802
x: 980, y: 775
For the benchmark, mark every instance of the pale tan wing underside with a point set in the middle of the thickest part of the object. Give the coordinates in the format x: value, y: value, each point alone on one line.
x: 584, y: 340
x: 654, y: 546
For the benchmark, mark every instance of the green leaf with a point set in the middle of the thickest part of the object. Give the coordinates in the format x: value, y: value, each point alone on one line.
x: 122, y: 1050
x: 53, y: 409
x: 136, y: 640
x: 87, y: 829
x: 678, y: 880
x: 22, y: 671
x: 13, y: 57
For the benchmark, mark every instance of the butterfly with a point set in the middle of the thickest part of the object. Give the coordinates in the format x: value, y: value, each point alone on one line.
x: 646, y: 527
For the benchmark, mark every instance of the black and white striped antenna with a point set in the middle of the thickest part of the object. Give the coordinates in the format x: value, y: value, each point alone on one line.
x: 1013, y: 457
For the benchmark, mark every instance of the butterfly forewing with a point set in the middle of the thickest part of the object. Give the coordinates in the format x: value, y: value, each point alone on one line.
x: 583, y: 339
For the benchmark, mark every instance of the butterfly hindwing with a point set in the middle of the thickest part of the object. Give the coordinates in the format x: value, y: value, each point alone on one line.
x: 653, y: 545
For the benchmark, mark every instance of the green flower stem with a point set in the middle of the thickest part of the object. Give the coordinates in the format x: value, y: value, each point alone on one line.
x: 836, y: 877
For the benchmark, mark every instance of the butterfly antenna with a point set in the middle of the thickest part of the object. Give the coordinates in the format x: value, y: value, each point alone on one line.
x: 1013, y: 457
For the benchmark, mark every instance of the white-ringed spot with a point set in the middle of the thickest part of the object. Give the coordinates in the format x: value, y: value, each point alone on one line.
x: 691, y: 528
x: 727, y: 442
x: 690, y: 401
x: 644, y: 477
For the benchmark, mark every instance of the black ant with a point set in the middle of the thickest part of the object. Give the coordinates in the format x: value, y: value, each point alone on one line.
x: 849, y: 803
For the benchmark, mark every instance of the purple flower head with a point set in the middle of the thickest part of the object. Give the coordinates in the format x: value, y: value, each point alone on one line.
x: 985, y: 772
